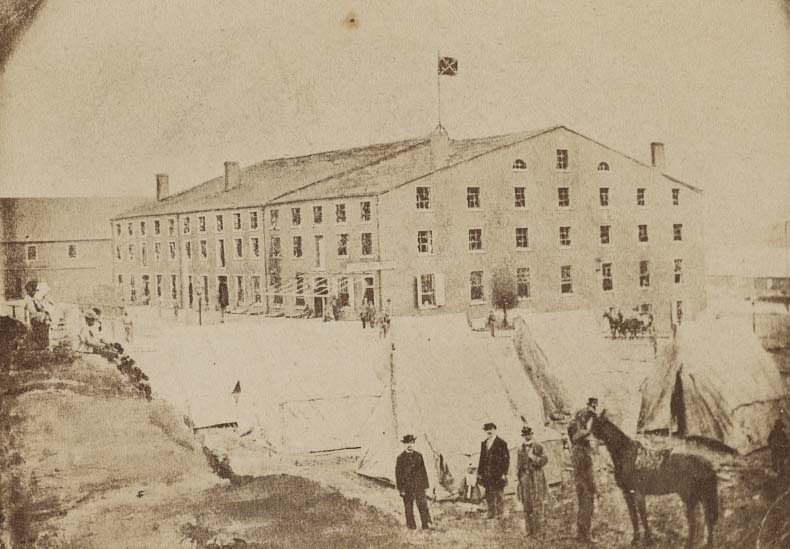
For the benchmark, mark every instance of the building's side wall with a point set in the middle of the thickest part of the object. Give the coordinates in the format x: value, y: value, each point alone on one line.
x: 450, y: 219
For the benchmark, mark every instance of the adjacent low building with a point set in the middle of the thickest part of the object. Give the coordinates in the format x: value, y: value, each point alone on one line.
x: 424, y: 223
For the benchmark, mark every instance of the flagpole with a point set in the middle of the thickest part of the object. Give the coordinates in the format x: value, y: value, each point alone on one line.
x: 438, y: 88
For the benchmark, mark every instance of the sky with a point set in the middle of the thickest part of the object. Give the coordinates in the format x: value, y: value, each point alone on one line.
x: 100, y: 96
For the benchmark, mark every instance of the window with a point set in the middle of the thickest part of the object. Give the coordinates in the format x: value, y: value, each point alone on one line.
x: 255, y: 246
x: 565, y: 236
x: 646, y: 308
x: 130, y: 229
x: 238, y: 246
x: 367, y: 243
x: 566, y: 280
x: 423, y: 198
x: 131, y: 252
x: 476, y: 290
x: 340, y: 213
x: 603, y: 196
x: 640, y: 197
x: 220, y: 223
x: 605, y: 230
x: 427, y: 296
x: 190, y: 291
x: 473, y: 197
x: 342, y: 244
x: 31, y: 252
x: 642, y: 233
x: 157, y: 251
x: 519, y: 164
x: 221, y: 253
x: 157, y: 227
x: 342, y: 291
x: 202, y: 223
x: 522, y: 238
x: 118, y: 229
x: 132, y: 289
x: 603, y: 167
x: 236, y: 221
x: 274, y: 217
x: 677, y: 231
x: 475, y: 239
x: 159, y: 285
x: 142, y: 228
x: 425, y: 242
x: 297, y: 248
x: 675, y: 197
x: 299, y: 291
x: 203, y: 249
x: 364, y: 211
x: 277, y: 298
x: 296, y: 216
x: 606, y: 277
x: 143, y: 254
x: 188, y: 249
x: 72, y: 251
x: 171, y: 227
x: 256, y: 289
x: 318, y: 215
x: 172, y: 246
x: 678, y: 270
x: 644, y: 274
x: 239, y: 290
x: 205, y: 289
x: 173, y: 287
x: 520, y: 197
x: 564, y: 197
x: 186, y: 226
x: 522, y: 279
x: 118, y: 253
x: 562, y: 159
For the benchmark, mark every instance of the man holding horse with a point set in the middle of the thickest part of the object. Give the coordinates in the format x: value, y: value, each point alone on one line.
x: 579, y: 431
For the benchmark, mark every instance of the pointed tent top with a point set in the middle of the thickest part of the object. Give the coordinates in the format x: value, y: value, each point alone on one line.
x: 237, y: 388
x: 439, y: 131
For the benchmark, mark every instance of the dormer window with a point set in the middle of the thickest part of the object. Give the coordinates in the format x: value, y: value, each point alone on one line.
x: 519, y: 164
x: 603, y: 167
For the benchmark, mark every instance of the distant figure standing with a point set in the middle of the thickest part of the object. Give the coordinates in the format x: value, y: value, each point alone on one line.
x: 411, y: 479
x: 335, y: 305
x: 128, y: 327
x: 363, y: 313
x: 492, y: 470
x: 780, y: 447
x: 532, y: 487
x: 36, y: 316
x: 491, y: 322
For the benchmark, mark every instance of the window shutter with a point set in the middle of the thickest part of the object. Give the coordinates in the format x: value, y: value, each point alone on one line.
x: 417, y: 292
x: 439, y: 277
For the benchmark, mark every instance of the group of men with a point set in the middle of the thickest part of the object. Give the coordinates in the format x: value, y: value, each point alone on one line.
x: 370, y: 317
x: 411, y: 477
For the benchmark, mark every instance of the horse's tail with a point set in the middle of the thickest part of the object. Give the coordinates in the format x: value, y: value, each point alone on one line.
x: 710, y: 498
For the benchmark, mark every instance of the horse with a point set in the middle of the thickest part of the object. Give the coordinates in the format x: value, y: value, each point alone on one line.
x: 614, y: 323
x: 631, y: 327
x: 639, y: 472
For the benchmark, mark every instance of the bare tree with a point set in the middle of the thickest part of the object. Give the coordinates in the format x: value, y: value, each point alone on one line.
x: 504, y: 289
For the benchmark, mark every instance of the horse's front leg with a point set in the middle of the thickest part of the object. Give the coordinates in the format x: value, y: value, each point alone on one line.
x: 631, y: 503
x: 642, y: 507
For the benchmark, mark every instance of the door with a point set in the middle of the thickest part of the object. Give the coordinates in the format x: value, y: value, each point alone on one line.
x: 321, y: 292
x: 370, y: 293
x: 222, y: 293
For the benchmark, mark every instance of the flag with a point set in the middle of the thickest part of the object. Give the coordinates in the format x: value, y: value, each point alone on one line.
x: 237, y: 388
x: 448, y: 66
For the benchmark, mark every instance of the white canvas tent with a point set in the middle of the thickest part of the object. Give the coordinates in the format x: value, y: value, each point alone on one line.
x: 717, y: 382
x: 445, y: 383
x: 569, y: 360
x: 301, y: 390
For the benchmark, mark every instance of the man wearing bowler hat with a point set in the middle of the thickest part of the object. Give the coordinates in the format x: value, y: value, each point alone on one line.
x: 412, y: 481
x: 579, y: 431
x: 492, y: 470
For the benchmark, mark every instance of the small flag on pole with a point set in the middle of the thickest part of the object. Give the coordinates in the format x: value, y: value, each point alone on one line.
x: 237, y: 388
x: 448, y: 66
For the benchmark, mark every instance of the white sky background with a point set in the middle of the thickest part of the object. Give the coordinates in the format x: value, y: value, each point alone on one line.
x: 99, y: 96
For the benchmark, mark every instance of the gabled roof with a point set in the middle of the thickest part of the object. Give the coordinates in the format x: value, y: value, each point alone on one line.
x: 60, y: 219
x: 266, y: 180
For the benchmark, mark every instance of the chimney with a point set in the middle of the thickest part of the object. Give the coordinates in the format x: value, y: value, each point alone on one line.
x: 440, y: 147
x: 657, y: 156
x: 162, y: 186
x: 232, y: 175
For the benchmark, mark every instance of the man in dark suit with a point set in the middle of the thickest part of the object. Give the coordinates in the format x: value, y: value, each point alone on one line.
x: 412, y: 481
x: 492, y: 469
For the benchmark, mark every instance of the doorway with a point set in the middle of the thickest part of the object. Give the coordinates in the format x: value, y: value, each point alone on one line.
x: 222, y: 292
x: 321, y: 291
x: 370, y: 293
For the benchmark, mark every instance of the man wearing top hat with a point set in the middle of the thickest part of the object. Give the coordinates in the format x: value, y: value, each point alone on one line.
x: 411, y: 480
x: 492, y: 469
x: 532, y: 487
x: 579, y: 431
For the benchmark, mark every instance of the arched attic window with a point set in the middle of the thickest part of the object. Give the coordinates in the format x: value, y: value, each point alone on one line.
x: 603, y: 167
x: 519, y: 164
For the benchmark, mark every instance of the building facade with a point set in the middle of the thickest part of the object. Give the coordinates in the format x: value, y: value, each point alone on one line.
x: 65, y: 242
x: 425, y: 223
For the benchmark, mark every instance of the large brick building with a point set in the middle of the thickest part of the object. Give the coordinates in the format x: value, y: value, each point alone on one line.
x: 65, y: 242
x: 424, y: 223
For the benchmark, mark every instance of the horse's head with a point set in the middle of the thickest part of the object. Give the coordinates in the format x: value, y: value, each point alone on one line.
x: 599, y: 421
